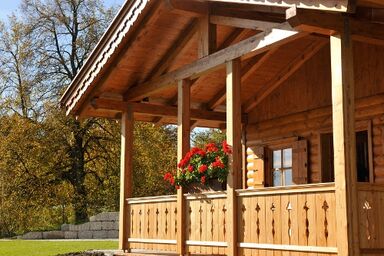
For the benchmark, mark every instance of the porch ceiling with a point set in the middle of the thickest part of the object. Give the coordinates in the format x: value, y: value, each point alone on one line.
x: 151, y: 38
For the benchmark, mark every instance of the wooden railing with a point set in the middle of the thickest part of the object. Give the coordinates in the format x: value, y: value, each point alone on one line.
x: 371, y: 218
x: 300, y: 219
x: 206, y: 226
x: 280, y: 220
x: 152, y: 222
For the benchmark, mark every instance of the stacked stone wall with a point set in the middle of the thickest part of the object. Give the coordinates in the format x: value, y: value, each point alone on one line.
x: 101, y: 226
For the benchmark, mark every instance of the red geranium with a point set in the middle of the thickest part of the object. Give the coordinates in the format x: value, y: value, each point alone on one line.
x: 211, y: 147
x: 203, y: 168
x: 218, y: 163
x: 226, y: 148
x: 202, y: 165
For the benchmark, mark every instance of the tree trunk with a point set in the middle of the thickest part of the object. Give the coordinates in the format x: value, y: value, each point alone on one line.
x: 79, y: 201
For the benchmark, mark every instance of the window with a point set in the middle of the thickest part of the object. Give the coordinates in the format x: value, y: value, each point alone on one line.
x: 282, y: 167
x: 362, y: 157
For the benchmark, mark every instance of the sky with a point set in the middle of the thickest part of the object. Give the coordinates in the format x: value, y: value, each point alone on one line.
x: 8, y: 6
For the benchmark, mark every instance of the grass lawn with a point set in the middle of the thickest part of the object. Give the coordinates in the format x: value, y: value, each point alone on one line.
x: 50, y: 248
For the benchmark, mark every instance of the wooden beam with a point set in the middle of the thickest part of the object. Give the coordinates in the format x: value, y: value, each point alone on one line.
x: 284, y: 74
x: 233, y: 36
x: 242, y: 23
x: 371, y: 3
x: 333, y: 23
x: 155, y: 110
x: 206, y: 37
x: 188, y: 8
x: 344, y: 144
x: 126, y: 174
x: 325, y: 5
x: 181, y: 43
x: 183, y: 146
x: 245, y: 49
x: 247, y: 71
x: 197, y: 9
x: 233, y: 85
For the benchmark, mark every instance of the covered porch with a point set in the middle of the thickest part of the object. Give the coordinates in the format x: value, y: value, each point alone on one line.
x: 221, y: 70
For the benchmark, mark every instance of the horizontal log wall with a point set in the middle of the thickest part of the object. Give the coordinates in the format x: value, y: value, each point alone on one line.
x: 301, y: 107
x: 311, y: 123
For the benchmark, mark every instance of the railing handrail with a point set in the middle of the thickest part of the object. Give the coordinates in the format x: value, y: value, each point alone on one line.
x: 305, y: 188
x: 367, y: 186
x: 152, y: 199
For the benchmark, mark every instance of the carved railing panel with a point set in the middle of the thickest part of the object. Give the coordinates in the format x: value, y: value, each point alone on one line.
x: 206, y: 222
x: 299, y: 218
x: 371, y: 222
x: 153, y: 219
x: 281, y: 221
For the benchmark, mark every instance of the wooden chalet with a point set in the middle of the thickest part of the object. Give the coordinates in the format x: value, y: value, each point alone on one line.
x: 298, y: 85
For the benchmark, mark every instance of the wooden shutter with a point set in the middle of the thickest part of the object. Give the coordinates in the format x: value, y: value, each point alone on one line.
x: 300, y: 162
x: 255, y: 167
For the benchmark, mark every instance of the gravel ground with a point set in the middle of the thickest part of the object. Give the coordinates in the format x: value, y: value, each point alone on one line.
x: 83, y: 254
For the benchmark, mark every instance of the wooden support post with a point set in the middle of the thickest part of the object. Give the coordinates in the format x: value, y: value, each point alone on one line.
x: 183, y: 146
x: 207, y: 37
x: 126, y: 165
x: 343, y: 111
x: 234, y: 140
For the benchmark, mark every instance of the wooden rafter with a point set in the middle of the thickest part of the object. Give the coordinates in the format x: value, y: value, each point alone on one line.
x: 247, y: 48
x: 247, y: 71
x: 284, y: 74
x: 179, y: 45
x: 235, y: 35
x: 148, y: 20
x: 155, y: 110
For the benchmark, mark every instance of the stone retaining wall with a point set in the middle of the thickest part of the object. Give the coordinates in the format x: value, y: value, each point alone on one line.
x: 101, y: 226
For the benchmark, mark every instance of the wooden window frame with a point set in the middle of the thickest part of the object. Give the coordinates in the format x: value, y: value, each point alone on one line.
x: 282, y: 169
x: 277, y: 144
x: 363, y: 125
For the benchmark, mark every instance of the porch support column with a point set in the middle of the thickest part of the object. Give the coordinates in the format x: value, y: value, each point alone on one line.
x: 183, y: 146
x: 126, y: 170
x: 234, y: 140
x: 343, y: 111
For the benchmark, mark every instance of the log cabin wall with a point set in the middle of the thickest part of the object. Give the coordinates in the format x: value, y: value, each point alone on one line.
x: 301, y: 107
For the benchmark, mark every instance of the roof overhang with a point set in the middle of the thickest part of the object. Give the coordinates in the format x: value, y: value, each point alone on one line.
x: 132, y: 16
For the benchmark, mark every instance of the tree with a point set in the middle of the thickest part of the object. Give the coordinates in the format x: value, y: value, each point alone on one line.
x: 68, y: 30
x: 58, y: 168
x: 23, y: 88
x: 200, y: 137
